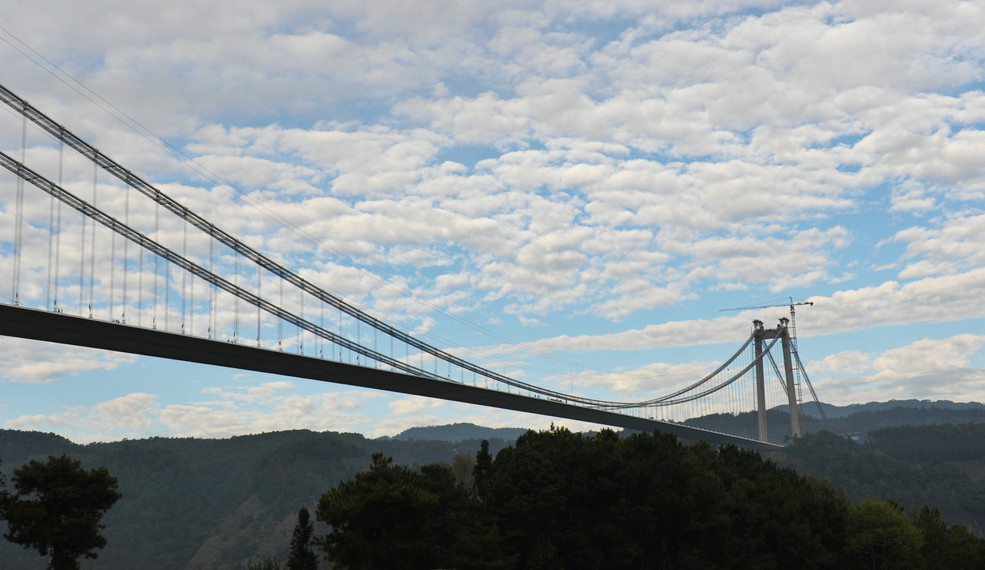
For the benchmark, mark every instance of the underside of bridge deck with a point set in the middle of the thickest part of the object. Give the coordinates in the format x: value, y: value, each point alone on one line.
x: 61, y: 328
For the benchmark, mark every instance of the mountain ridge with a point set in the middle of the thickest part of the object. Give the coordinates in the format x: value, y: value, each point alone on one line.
x: 219, y: 504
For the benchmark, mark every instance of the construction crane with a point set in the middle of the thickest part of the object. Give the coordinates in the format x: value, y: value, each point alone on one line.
x: 793, y: 314
x: 793, y: 343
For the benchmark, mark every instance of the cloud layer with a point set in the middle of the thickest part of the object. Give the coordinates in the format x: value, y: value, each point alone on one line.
x: 591, y: 182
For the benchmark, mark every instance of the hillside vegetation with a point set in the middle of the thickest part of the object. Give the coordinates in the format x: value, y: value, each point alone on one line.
x: 938, y: 465
x: 194, y: 503
x: 862, y: 418
x: 212, y: 503
x: 584, y: 501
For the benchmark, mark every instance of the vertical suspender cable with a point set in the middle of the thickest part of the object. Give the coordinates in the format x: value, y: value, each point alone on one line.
x: 82, y: 261
x: 157, y: 259
x: 112, y: 271
x: 51, y: 241
x: 126, y: 257
x: 236, y: 298
x: 212, y: 287
x: 58, y: 228
x: 92, y: 236
x: 259, y: 296
x: 184, y: 274
x: 191, y: 303
x: 280, y: 322
x: 15, y: 284
x: 167, y: 293
x: 140, y: 286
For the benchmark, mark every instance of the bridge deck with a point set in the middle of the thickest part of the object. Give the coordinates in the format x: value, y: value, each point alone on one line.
x: 61, y: 328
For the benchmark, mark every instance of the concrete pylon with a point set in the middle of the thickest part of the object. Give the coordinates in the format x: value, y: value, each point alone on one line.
x: 796, y: 418
x: 760, y: 379
x: 761, y: 334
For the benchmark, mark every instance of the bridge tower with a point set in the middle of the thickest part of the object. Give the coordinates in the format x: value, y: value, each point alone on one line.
x: 761, y: 334
x: 758, y: 333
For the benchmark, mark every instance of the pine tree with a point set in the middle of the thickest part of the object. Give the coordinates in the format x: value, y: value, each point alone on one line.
x: 302, y: 556
x: 482, y: 469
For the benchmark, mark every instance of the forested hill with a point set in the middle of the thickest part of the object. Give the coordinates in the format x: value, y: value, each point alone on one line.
x: 455, y: 433
x: 938, y: 465
x: 195, y: 503
x: 212, y: 503
x: 856, y: 420
x: 834, y: 412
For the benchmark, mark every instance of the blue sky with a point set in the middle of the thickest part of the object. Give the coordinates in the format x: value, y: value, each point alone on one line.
x: 571, y: 190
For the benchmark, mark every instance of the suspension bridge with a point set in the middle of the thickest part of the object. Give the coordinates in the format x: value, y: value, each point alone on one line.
x: 98, y: 257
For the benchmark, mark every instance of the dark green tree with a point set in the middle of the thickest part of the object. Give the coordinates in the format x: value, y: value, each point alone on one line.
x: 934, y: 531
x: 946, y: 546
x: 567, y: 500
x: 302, y: 557
x: 395, y: 517
x: 265, y: 564
x: 3, y: 493
x: 881, y: 536
x: 379, y: 519
x: 964, y: 551
x: 57, y: 508
x: 482, y: 468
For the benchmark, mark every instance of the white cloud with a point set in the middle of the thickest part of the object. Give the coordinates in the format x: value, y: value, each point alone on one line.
x: 613, y: 164
x: 463, y: 413
x: 523, y: 248
x: 124, y: 416
x: 225, y: 412
x: 929, y: 300
x: 413, y: 405
x: 955, y: 240
x: 847, y: 362
x: 647, y: 381
x: 36, y: 362
x: 925, y: 369
x: 130, y: 412
x: 925, y: 356
x: 912, y: 198
x: 925, y: 268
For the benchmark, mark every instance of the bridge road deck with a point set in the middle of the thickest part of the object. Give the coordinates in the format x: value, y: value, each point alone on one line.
x: 16, y: 321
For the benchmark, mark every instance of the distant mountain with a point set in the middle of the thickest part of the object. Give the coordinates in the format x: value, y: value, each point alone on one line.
x: 833, y: 411
x: 855, y: 420
x: 17, y: 447
x: 455, y: 433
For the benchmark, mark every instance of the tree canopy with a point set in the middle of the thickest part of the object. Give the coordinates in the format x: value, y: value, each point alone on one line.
x: 392, y: 516
x: 558, y: 499
x: 57, y: 508
x: 302, y: 557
